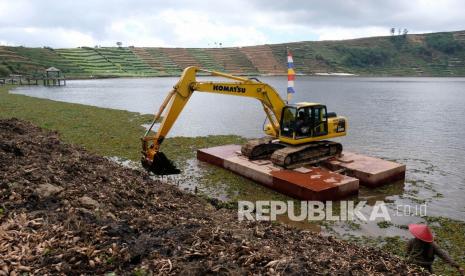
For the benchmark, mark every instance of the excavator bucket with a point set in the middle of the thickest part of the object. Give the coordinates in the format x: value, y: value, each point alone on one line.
x: 160, y: 165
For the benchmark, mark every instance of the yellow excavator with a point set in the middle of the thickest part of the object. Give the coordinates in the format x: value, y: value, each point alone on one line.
x: 295, y: 135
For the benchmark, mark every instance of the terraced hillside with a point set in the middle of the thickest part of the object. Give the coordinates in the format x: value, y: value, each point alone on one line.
x: 305, y: 59
x: 153, y: 62
x: 233, y: 60
x: 125, y: 60
x: 263, y: 59
x: 48, y: 57
x: 181, y: 57
x: 22, y: 59
x: 11, y: 62
x: 435, y: 54
x: 206, y: 60
x: 156, y: 55
x: 92, y: 62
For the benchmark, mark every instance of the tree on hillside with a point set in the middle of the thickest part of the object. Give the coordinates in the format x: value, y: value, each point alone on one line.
x: 393, y: 31
x: 405, y: 32
x: 119, y: 44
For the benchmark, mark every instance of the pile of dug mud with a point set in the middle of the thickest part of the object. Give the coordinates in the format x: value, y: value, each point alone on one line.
x: 67, y: 211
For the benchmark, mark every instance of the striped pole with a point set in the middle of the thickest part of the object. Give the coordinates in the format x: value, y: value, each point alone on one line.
x: 290, y: 76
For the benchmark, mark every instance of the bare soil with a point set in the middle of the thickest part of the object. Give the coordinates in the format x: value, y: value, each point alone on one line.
x: 67, y: 211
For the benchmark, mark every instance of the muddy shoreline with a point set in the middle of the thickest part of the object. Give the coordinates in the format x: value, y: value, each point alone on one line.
x: 65, y: 210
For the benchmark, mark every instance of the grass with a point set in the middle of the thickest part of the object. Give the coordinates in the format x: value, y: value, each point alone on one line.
x: 104, y: 131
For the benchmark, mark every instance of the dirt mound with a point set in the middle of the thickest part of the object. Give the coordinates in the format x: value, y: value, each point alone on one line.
x: 67, y: 211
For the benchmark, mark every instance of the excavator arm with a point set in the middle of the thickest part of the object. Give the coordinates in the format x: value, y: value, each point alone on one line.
x: 154, y: 160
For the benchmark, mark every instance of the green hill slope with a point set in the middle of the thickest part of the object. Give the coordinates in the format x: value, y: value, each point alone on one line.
x: 434, y: 54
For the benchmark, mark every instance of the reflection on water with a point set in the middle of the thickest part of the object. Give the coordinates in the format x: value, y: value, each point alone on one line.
x: 415, y: 121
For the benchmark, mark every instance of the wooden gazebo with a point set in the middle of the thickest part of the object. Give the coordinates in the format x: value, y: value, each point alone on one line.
x: 54, y: 76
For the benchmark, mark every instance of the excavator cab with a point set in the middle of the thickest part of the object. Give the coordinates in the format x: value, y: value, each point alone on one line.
x: 304, y: 122
x: 307, y: 122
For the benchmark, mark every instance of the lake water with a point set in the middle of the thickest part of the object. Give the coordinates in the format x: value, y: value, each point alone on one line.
x: 416, y: 121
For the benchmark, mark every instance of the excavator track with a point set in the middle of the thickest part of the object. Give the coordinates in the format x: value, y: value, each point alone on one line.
x: 261, y: 148
x: 294, y: 156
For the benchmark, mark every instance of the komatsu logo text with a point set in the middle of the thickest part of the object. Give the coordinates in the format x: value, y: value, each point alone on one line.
x: 225, y: 88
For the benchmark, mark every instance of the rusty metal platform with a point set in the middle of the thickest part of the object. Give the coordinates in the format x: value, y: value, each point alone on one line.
x: 371, y: 171
x: 338, y: 179
x: 310, y: 183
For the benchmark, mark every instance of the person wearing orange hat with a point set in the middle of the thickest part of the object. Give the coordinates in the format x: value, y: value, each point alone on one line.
x: 421, y: 250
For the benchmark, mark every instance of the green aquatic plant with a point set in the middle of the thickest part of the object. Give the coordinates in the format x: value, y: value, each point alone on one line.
x: 384, y: 224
